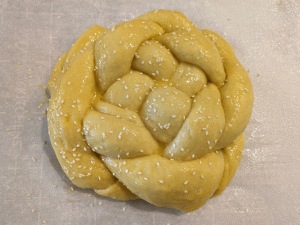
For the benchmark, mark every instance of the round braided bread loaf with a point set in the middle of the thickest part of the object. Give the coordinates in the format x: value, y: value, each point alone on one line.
x: 152, y: 108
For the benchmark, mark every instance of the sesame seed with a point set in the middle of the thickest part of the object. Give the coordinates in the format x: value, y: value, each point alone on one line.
x: 186, y: 182
x: 202, y: 176
x: 145, y: 178
x: 120, y: 135
x: 120, y: 42
x: 161, y: 181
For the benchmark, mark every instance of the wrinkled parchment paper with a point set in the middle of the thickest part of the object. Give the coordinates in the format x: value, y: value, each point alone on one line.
x: 34, y: 190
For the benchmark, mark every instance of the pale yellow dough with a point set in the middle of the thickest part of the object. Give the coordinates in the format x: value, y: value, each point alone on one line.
x: 152, y: 108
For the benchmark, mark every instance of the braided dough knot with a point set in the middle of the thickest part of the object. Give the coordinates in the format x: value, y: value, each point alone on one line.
x: 152, y: 108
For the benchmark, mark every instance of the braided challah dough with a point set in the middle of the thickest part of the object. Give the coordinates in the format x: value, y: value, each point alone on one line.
x: 152, y: 108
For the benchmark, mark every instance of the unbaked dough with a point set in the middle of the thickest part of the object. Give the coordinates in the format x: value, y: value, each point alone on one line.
x: 152, y: 108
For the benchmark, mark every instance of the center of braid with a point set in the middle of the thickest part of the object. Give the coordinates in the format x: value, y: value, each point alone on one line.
x: 156, y: 95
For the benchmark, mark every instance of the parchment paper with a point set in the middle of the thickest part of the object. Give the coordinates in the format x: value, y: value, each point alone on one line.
x: 33, y: 188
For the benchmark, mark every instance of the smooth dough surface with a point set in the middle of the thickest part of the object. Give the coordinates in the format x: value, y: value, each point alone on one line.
x: 152, y: 108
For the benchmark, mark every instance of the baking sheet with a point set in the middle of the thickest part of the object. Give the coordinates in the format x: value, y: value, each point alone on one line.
x: 34, y: 190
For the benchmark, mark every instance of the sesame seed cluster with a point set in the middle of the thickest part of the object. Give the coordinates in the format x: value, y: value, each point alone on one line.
x: 153, y: 108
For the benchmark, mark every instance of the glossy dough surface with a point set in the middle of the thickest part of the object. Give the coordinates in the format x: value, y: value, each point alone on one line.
x: 152, y: 108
